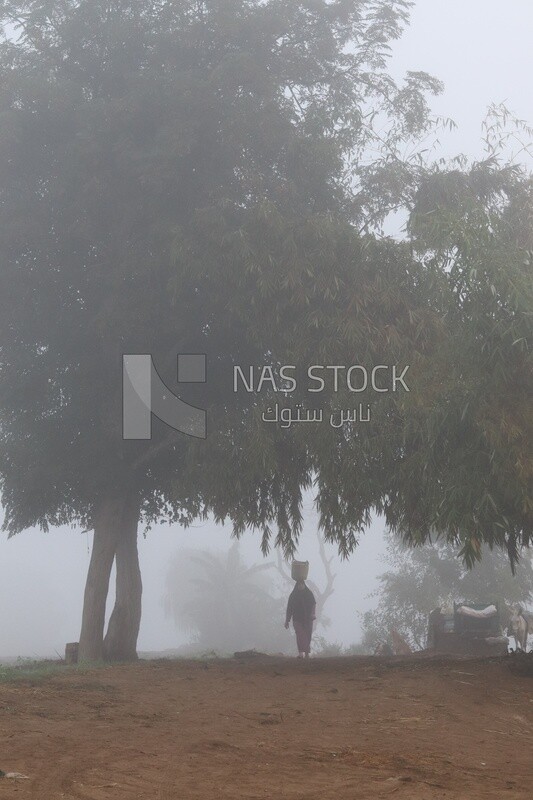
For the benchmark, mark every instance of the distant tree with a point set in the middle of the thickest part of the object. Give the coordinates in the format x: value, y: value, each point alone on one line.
x: 224, y: 604
x: 423, y: 578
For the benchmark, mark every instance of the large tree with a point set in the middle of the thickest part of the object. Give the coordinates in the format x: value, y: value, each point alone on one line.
x: 188, y: 177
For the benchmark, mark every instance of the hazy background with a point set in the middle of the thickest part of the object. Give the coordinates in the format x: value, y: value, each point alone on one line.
x: 481, y: 50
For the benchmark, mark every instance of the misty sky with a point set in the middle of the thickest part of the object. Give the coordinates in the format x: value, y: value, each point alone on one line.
x: 481, y: 50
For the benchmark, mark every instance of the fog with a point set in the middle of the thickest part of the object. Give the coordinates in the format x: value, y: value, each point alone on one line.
x: 482, y: 53
x: 43, y: 577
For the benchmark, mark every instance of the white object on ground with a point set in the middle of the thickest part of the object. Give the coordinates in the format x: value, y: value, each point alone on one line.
x: 485, y: 613
x: 15, y: 776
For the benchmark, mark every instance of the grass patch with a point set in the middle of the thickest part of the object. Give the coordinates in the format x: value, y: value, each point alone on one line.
x: 33, y: 672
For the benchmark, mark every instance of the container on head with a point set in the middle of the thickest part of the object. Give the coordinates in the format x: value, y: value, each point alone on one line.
x: 300, y: 570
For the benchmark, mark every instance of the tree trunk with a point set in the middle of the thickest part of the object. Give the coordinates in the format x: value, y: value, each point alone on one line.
x: 120, y: 643
x: 107, y: 525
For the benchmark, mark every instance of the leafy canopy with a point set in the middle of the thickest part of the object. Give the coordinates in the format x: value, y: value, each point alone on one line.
x: 187, y: 177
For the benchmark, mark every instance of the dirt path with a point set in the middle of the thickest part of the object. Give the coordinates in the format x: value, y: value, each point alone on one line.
x: 329, y: 729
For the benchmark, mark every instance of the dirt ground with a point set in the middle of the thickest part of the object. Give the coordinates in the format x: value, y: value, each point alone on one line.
x: 272, y: 728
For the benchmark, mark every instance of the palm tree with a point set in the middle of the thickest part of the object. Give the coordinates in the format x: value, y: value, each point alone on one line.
x: 223, y: 603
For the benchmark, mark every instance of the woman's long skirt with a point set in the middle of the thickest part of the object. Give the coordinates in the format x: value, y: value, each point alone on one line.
x: 304, y: 632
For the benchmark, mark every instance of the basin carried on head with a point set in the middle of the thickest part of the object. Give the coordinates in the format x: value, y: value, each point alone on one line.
x: 300, y: 570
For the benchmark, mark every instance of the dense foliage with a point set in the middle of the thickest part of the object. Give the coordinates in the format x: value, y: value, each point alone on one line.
x: 167, y: 169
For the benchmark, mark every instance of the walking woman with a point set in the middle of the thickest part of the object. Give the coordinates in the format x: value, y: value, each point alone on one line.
x: 301, y: 608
